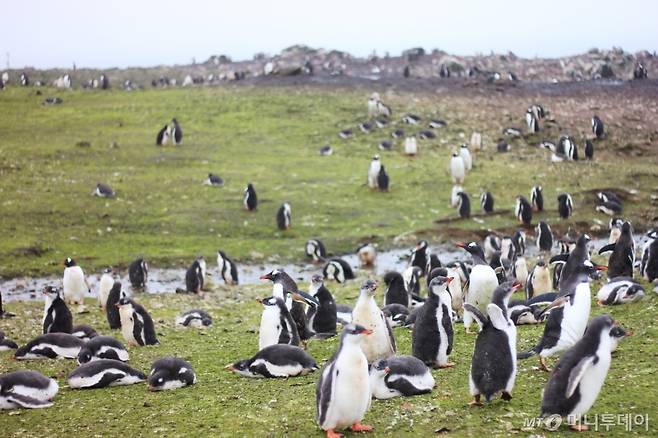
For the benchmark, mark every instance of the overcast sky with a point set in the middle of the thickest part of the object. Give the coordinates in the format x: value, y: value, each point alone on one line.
x: 120, y: 33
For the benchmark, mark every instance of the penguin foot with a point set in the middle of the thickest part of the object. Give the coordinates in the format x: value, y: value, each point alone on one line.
x: 333, y: 434
x: 543, y: 366
x: 358, y: 427
x: 446, y: 365
x: 506, y: 396
x: 579, y: 427
x: 476, y: 401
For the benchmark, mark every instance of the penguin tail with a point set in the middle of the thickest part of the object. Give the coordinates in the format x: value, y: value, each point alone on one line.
x: 526, y: 354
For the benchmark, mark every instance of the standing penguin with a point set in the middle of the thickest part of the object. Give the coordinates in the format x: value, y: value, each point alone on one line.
x: 466, y: 157
x: 578, y: 377
x: 382, y: 180
x: 194, y: 277
x: 431, y: 339
x: 457, y: 168
x: 373, y: 171
x: 111, y: 310
x: 518, y: 240
x: 315, y: 250
x: 589, y: 149
x: 622, y: 260
x: 523, y: 210
x: 615, y: 229
x: 284, y: 216
x: 537, y: 198
x: 597, y: 126
x: 649, y: 261
x: 57, y: 317
x: 575, y: 259
x: 487, y: 202
x: 366, y: 313
x: 493, y: 367
x: 367, y: 254
x: 464, y: 206
x: 531, y: 121
x: 396, y: 292
x: 75, y: 285
x: 163, y: 136
x: 481, y: 284
x: 565, y: 205
x: 26, y: 389
x: 420, y: 255
x: 250, y: 200
x: 136, y: 324
x: 104, y: 286
x: 170, y: 373
x: 176, y: 131
x: 227, y: 268
x: 322, y: 319
x: 410, y: 146
x: 539, y: 280
x: 276, y: 324
x: 343, y: 393
x: 544, y: 237
x: 568, y: 316
x: 138, y: 273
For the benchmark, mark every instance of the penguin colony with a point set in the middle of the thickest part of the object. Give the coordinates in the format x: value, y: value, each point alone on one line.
x: 366, y: 363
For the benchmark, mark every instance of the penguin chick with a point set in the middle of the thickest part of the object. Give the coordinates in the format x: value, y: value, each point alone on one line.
x: 170, y: 373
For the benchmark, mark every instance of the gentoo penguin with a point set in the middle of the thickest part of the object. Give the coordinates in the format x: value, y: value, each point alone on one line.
x: 544, y: 237
x: 214, y: 180
x: 343, y: 314
x: 431, y: 339
x: 426, y: 134
x: 454, y: 195
x: 615, y: 229
x: 520, y: 269
x: 411, y: 277
x: 457, y: 168
x: 197, y: 318
x: 464, y: 206
x: 507, y: 251
x: 589, y: 149
x: 523, y: 210
x: 284, y: 216
x: 396, y: 314
x: 411, y: 119
x: 531, y: 121
x: 326, y: 150
x: 400, y: 376
x: 436, y: 123
x: 315, y: 250
x: 74, y: 283
x: 276, y: 324
x: 538, y: 110
x: 367, y: 314
x: 520, y: 314
x: 578, y: 377
x: 285, y: 288
x: 622, y: 260
x: 57, y: 317
x: 345, y: 134
x: 176, y: 132
x: 103, y: 191
x: 385, y: 145
x: 611, y: 208
x: 574, y: 259
x: 170, y: 373
x: 373, y: 171
x: 194, y: 277
x: 396, y: 292
x: 597, y: 127
x: 382, y: 180
x: 322, y: 319
x: 84, y: 332
x: 410, y: 146
x: 51, y: 346
x: 466, y: 157
x: 227, y: 268
x: 383, y: 109
x: 432, y: 262
x: 278, y: 360
x: 26, y: 389
x: 620, y: 290
x: 565, y: 205
x: 366, y: 127
x: 343, y: 391
x: 512, y: 131
x: 163, y: 136
x: 6, y: 344
x: 136, y: 324
x: 503, y: 146
x: 372, y: 104
x: 491, y: 245
x: 338, y: 270
x: 138, y: 273
x: 111, y: 311
x: 493, y: 366
x: 640, y: 71
x: 482, y: 281
x: 420, y: 255
x: 381, y: 122
x: 3, y: 313
x: 367, y: 254
x: 476, y: 141
x: 104, y: 286
x: 102, y: 347
x: 102, y: 373
x: 25, y: 80
x: 487, y: 202
x: 397, y: 133
x: 568, y: 315
x: 537, y: 198
x: 566, y: 148
x: 539, y: 280
x: 250, y: 200
x: 649, y: 261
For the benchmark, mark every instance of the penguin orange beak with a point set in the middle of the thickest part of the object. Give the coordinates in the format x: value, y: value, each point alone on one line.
x: 516, y: 286
x: 601, y: 268
x: 117, y: 305
x: 599, y: 302
x: 450, y: 279
x: 387, y: 370
x: 460, y: 245
x: 229, y: 367
x: 367, y: 332
x: 265, y: 277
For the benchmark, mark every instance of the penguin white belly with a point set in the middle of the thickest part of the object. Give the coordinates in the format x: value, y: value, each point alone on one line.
x: 574, y: 321
x: 511, y: 339
x: 279, y: 370
x: 442, y: 353
x: 270, y: 327
x: 74, y: 285
x: 592, y: 382
x: 104, y: 288
x: 380, y: 390
x: 127, y: 326
x: 378, y: 344
x: 351, y: 390
x: 37, y: 393
x: 483, y: 281
x: 121, y: 354
x: 542, y: 282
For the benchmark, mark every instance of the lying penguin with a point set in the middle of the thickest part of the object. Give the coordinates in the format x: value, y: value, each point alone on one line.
x: 6, y: 344
x: 620, y: 290
x: 51, y: 346
x: 102, y: 347
x: 197, y: 318
x: 26, y: 389
x: 278, y: 360
x: 400, y: 376
x: 84, y: 332
x: 104, y: 372
x: 170, y: 373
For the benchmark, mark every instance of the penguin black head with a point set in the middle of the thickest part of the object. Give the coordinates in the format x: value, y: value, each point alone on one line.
x: 605, y: 324
x: 69, y: 262
x: 269, y: 301
x: 472, y: 248
x: 381, y: 366
x: 421, y: 245
x: 241, y: 366
x: 616, y: 222
x: 503, y: 292
x: 369, y: 286
x: 273, y: 275
x: 455, y: 154
x: 52, y: 292
x: 652, y: 234
x: 124, y: 301
x: 375, y: 157
x: 317, y: 280
x: 439, y: 284
x: 108, y: 270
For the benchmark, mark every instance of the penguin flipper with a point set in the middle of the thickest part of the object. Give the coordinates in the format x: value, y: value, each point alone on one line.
x: 496, y: 317
x: 607, y: 248
x: 324, y: 391
x: 107, y: 380
x: 577, y: 373
x: 25, y: 401
x: 389, y: 330
x: 480, y: 318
